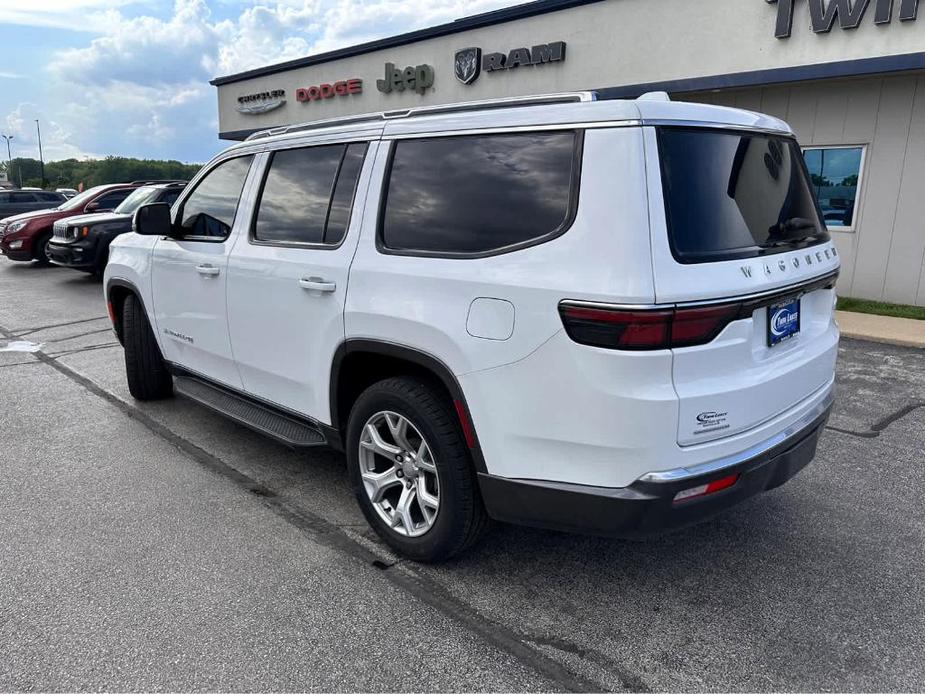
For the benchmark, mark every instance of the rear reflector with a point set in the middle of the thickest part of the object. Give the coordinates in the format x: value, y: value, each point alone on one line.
x: 705, y: 489
x: 618, y: 328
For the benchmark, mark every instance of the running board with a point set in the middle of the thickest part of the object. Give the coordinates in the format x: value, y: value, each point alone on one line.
x: 261, y: 418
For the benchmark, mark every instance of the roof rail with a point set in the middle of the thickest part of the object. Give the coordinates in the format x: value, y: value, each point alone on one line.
x: 152, y: 181
x: 507, y: 102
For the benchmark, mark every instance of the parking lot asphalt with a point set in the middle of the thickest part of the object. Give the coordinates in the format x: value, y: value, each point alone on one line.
x: 158, y: 546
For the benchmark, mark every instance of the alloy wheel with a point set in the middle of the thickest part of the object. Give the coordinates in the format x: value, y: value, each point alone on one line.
x: 399, y: 475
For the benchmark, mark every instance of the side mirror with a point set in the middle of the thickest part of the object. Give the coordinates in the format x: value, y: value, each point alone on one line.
x: 91, y: 207
x: 153, y: 220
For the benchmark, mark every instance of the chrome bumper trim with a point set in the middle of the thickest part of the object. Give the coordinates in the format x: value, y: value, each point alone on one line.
x: 792, y: 431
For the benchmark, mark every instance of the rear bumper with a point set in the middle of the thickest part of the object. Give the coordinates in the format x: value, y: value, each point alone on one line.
x: 647, y: 506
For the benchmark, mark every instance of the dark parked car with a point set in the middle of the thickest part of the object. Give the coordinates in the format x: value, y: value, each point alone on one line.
x: 25, y: 236
x: 82, y: 242
x: 19, y: 201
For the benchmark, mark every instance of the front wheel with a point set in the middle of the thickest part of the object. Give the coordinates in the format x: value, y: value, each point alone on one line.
x: 148, y: 378
x: 411, y: 470
x: 42, y: 254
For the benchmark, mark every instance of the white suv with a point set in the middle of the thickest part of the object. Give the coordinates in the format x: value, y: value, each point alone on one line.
x: 612, y: 317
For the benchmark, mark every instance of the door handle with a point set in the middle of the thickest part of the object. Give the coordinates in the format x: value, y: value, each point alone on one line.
x: 317, y: 284
x: 207, y: 270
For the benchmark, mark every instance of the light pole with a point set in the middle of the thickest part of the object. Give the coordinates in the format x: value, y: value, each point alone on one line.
x: 41, y: 158
x: 9, y: 158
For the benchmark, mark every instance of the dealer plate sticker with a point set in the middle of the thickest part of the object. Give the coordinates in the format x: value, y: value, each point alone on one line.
x: 783, y: 321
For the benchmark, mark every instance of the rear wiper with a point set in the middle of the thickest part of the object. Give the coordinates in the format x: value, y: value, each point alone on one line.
x: 791, y: 225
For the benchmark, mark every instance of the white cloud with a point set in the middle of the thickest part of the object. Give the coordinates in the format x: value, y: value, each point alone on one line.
x: 76, y: 15
x: 57, y: 140
x: 140, y: 85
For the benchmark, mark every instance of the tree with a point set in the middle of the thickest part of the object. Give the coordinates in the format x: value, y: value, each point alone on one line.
x: 70, y: 173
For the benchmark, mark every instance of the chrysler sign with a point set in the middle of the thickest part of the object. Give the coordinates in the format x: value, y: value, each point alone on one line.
x: 252, y: 104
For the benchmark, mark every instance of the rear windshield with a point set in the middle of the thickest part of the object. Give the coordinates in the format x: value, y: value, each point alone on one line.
x: 732, y: 195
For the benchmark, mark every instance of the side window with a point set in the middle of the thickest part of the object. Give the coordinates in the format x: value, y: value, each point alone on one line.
x: 20, y: 198
x: 111, y: 201
x: 4, y: 198
x: 208, y: 213
x: 50, y: 197
x: 308, y: 193
x: 475, y: 194
x: 344, y: 192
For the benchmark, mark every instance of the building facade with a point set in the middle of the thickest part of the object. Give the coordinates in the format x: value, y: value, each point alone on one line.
x: 848, y: 75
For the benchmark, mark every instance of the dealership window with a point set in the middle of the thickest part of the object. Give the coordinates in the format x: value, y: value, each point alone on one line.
x: 835, y: 173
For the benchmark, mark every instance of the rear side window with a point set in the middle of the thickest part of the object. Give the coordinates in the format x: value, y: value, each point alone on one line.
x: 50, y: 197
x: 308, y: 194
x: 480, y: 194
x: 732, y: 195
x: 208, y: 213
x: 22, y: 197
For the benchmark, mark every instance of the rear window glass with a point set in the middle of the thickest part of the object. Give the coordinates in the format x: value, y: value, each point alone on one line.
x: 732, y: 195
x: 479, y: 193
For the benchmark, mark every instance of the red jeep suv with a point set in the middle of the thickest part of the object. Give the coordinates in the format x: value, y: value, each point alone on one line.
x: 25, y: 236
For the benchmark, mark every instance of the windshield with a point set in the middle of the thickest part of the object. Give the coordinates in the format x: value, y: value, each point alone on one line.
x: 732, y: 195
x: 138, y: 198
x: 81, y: 199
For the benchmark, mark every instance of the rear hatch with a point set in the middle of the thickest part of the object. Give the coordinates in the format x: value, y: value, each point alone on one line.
x: 735, y: 225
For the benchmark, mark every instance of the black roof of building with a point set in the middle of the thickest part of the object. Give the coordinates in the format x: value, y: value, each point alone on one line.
x: 507, y: 14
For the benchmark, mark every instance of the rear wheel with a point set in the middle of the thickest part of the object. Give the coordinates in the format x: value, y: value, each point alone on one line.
x: 411, y: 470
x: 148, y: 378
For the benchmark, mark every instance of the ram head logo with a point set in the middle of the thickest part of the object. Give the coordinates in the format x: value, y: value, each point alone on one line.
x: 467, y: 64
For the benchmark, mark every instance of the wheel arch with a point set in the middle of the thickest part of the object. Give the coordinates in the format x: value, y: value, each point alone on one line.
x: 359, y: 363
x: 117, y: 290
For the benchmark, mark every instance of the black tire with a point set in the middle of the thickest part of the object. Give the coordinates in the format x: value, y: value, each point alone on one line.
x: 148, y: 378
x: 41, y: 250
x: 461, y: 520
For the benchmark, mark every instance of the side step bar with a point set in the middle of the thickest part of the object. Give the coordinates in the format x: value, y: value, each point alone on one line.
x: 265, y: 419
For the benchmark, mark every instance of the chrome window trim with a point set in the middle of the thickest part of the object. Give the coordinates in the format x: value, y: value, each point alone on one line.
x: 794, y: 430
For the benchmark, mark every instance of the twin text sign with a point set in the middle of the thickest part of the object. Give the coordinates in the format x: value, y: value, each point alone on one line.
x: 849, y: 14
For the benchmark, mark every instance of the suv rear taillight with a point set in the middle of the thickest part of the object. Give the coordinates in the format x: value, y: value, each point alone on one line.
x: 641, y: 329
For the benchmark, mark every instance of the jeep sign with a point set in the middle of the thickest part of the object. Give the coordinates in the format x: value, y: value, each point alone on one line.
x: 417, y: 78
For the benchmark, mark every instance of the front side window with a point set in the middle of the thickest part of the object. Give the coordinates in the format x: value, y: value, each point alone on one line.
x: 477, y: 194
x: 208, y: 213
x: 296, y: 199
x: 732, y: 195
x: 835, y: 173
x: 22, y: 197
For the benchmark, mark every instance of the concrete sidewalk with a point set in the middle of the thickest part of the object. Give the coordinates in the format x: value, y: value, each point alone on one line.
x: 894, y: 331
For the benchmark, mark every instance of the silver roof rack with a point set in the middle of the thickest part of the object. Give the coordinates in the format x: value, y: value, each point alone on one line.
x: 508, y: 102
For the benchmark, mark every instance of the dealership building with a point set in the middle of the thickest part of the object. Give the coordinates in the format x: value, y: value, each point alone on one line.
x: 848, y: 75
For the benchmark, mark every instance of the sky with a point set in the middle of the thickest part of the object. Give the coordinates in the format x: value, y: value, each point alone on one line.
x: 131, y: 77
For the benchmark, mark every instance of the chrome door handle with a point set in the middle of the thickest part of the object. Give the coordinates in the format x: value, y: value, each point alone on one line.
x: 207, y: 270
x: 317, y: 284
